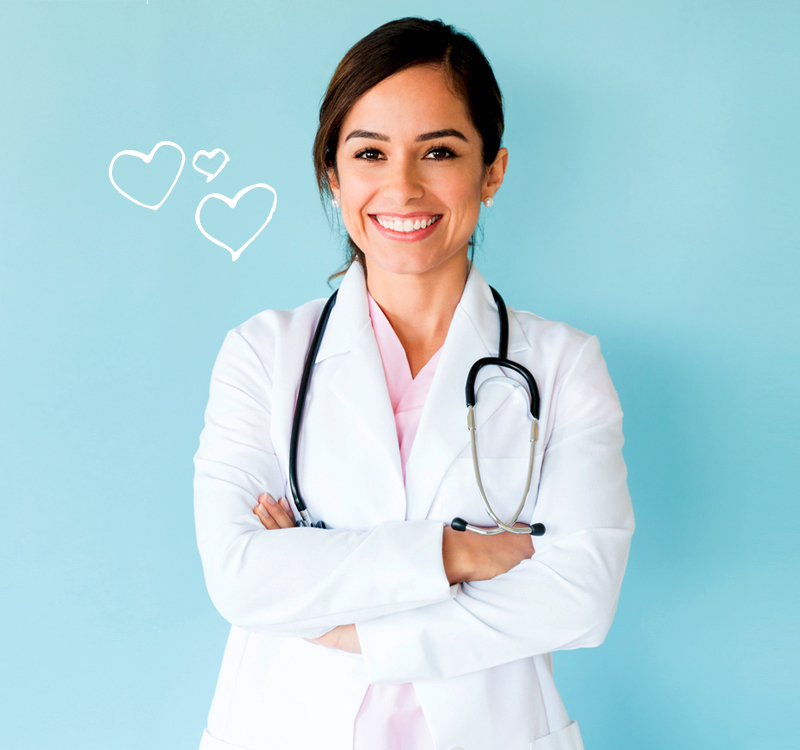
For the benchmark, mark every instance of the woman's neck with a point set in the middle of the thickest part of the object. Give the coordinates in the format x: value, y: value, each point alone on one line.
x: 420, y: 307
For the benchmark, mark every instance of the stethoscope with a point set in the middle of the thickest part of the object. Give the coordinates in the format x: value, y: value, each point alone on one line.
x: 459, y: 524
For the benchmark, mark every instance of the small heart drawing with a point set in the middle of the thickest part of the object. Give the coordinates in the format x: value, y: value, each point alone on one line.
x: 146, y: 160
x: 210, y: 156
x: 232, y: 204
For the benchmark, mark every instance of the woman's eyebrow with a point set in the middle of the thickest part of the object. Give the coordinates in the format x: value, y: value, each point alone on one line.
x: 432, y: 136
x: 436, y: 134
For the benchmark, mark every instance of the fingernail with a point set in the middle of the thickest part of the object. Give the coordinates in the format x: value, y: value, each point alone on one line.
x: 270, y: 499
x: 285, y: 503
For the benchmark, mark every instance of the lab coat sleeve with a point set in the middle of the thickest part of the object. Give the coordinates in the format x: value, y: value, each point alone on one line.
x: 566, y: 595
x: 298, y: 581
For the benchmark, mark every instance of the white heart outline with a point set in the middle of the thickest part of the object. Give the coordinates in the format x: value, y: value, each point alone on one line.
x: 232, y: 204
x: 210, y: 156
x: 146, y: 160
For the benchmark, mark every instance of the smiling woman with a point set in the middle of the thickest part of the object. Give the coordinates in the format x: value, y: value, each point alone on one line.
x: 389, y: 629
x: 419, y: 102
x: 399, y: 173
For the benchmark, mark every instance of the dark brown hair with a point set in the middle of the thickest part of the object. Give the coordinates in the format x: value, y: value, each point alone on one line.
x: 387, y: 50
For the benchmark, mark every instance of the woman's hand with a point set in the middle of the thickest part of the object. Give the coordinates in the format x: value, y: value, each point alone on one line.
x: 498, y: 553
x: 469, y: 556
x: 273, y: 514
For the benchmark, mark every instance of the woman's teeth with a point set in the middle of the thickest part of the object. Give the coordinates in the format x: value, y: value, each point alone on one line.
x: 407, y: 225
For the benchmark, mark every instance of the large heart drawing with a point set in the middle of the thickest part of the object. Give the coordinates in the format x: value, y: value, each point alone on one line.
x: 210, y: 155
x: 146, y: 160
x: 232, y: 204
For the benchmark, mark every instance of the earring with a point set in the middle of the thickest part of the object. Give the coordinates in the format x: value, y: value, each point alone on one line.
x: 335, y: 202
x: 489, y: 202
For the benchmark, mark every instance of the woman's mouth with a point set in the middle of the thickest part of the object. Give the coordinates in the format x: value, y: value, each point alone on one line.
x: 406, y: 228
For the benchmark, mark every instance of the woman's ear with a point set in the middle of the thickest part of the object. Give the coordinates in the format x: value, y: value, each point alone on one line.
x: 495, y: 173
x: 332, y: 181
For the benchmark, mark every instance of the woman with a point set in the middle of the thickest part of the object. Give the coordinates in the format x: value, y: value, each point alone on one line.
x: 389, y: 628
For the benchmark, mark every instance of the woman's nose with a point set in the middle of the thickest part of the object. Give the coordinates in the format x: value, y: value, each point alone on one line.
x: 402, y: 182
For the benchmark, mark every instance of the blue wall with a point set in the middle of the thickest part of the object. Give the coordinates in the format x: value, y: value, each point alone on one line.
x: 651, y: 198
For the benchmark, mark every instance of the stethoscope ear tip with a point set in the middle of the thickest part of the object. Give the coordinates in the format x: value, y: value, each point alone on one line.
x: 537, y: 529
x: 459, y: 524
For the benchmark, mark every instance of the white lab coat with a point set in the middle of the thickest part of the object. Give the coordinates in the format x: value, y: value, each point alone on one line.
x: 477, y: 653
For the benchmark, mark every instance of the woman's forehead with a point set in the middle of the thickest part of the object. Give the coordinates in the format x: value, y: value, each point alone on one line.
x: 407, y: 104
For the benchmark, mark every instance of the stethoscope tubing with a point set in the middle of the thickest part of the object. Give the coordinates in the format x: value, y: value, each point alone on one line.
x: 302, y: 509
x: 502, y: 360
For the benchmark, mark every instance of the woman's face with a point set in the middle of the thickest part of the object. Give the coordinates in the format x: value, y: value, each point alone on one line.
x: 410, y: 175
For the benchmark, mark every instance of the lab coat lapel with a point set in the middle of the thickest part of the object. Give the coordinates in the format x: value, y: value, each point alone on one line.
x: 442, y: 433
x: 360, y: 381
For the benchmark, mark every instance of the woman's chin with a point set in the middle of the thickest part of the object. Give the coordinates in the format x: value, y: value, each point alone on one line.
x: 400, y: 262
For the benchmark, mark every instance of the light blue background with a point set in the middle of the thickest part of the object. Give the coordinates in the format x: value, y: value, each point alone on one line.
x: 651, y: 198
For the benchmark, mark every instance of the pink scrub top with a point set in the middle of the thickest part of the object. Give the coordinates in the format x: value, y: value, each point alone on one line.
x: 390, y: 717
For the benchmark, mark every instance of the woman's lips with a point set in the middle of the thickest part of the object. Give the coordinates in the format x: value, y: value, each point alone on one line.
x: 414, y: 234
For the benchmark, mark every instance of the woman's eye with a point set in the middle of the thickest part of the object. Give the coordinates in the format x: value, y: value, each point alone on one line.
x: 441, y: 153
x: 368, y: 154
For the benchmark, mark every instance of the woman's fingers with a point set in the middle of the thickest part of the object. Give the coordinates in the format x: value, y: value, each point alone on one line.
x: 267, y: 520
x: 274, y: 514
x: 343, y: 637
x: 282, y: 513
x: 329, y: 639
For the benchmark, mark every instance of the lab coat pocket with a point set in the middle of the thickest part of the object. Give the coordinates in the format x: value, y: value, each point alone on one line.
x: 568, y: 738
x: 503, y: 482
